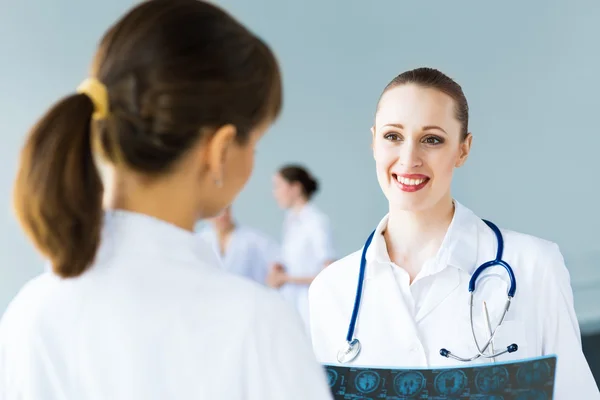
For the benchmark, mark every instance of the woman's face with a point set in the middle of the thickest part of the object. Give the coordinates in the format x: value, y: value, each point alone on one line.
x: 417, y: 144
x: 230, y: 165
x: 284, y: 192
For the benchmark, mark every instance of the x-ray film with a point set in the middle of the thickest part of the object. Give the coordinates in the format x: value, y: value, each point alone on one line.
x: 529, y: 379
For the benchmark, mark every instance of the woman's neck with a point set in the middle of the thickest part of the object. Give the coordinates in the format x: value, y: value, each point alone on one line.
x: 154, y: 199
x: 412, y: 238
x: 224, y: 229
x: 224, y: 237
x: 298, y: 205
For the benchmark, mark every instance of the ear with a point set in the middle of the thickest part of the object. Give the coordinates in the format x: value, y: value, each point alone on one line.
x: 297, y: 189
x: 216, y: 151
x: 373, y: 140
x: 465, y: 149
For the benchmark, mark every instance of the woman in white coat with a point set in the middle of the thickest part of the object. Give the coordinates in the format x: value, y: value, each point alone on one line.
x: 423, y: 253
x: 135, y: 306
x: 307, y: 244
x: 243, y: 251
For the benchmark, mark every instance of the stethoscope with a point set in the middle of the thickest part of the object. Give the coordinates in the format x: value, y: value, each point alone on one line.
x: 352, y: 346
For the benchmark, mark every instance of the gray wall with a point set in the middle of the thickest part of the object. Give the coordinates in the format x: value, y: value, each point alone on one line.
x: 528, y: 69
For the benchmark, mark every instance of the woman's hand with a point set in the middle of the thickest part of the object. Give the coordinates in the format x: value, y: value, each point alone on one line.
x: 277, y: 277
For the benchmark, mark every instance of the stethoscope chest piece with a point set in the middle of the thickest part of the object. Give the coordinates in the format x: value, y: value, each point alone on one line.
x: 349, y: 352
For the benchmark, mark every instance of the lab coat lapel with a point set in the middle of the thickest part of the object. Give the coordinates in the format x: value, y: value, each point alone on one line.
x: 457, y: 254
x: 399, y: 326
x: 231, y: 250
x: 445, y: 282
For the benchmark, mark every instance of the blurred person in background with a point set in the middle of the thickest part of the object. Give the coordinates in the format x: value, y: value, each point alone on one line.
x: 243, y: 250
x: 307, y: 242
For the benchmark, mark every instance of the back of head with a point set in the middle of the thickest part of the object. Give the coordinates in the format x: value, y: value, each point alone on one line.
x: 300, y: 175
x: 171, y: 72
x: 435, y: 79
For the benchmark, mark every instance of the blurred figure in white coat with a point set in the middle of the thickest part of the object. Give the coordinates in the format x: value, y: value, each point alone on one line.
x: 136, y: 306
x: 307, y: 242
x: 243, y: 250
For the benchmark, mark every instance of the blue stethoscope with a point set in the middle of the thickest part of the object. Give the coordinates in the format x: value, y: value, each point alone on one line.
x: 352, y: 346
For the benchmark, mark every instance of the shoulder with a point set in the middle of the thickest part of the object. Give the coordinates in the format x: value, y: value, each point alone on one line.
x: 339, y: 275
x: 526, y: 242
x: 262, y: 312
x: 331, y: 299
x: 254, y: 234
x: 257, y: 241
x: 31, y: 306
x: 530, y: 247
x: 521, y: 250
x: 315, y: 215
x: 32, y: 294
x: 531, y: 257
x: 516, y: 244
x: 241, y: 296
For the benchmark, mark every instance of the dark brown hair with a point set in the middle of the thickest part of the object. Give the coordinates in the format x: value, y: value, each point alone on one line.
x: 174, y: 70
x: 299, y: 174
x: 432, y: 78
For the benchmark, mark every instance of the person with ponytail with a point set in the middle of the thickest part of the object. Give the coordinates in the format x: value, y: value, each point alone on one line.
x: 134, y: 305
x: 307, y: 244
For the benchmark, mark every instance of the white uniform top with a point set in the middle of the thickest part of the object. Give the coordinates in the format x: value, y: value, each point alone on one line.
x: 406, y: 325
x: 153, y: 319
x: 306, y: 246
x: 249, y: 253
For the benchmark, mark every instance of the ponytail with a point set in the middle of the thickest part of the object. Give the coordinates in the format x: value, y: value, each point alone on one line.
x: 58, y: 192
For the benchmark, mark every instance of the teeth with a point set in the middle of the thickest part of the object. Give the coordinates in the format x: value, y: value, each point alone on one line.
x: 410, y: 182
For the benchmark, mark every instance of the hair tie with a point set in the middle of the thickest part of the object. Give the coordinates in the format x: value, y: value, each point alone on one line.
x: 96, y: 91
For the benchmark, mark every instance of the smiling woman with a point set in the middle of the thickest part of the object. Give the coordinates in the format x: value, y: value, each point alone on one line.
x: 420, y: 135
x: 417, y: 269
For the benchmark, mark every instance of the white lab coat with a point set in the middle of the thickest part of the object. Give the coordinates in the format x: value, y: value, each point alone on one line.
x: 154, y: 318
x: 306, y: 246
x: 249, y: 252
x: 402, y: 325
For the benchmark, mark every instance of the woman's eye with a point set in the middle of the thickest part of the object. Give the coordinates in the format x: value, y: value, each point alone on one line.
x: 433, y: 140
x: 392, y: 136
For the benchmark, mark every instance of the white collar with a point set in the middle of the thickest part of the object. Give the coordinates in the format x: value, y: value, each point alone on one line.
x: 126, y: 232
x: 304, y: 212
x: 458, y: 249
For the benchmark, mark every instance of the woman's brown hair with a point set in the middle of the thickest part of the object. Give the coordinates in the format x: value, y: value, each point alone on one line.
x: 298, y: 174
x: 173, y: 70
x: 435, y: 79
